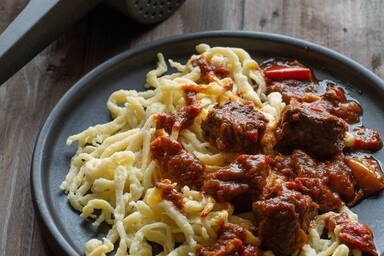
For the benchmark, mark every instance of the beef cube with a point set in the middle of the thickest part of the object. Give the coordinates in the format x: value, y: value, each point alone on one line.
x: 282, y: 221
x: 294, y: 90
x: 235, y: 127
x: 335, y: 102
x: 177, y: 164
x: 240, y: 182
x: 312, y: 129
x: 319, y: 192
x: 340, y: 179
x: 283, y: 165
x: 306, y: 166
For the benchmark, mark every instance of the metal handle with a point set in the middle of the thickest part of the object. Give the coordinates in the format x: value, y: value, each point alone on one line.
x: 41, y: 22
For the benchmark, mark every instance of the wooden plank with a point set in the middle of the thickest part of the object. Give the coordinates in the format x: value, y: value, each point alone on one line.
x: 352, y: 27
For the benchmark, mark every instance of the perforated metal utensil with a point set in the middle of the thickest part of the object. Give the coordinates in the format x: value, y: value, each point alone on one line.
x: 147, y: 11
x: 42, y: 21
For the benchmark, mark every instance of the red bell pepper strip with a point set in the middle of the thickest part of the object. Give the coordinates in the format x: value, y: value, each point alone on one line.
x: 287, y: 73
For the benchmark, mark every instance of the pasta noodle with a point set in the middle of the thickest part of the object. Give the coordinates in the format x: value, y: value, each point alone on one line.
x: 112, y: 176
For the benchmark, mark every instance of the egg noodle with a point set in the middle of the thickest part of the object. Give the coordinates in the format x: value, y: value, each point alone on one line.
x: 112, y: 176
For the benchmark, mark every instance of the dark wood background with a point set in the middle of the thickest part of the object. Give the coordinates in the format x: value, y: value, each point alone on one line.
x: 352, y: 27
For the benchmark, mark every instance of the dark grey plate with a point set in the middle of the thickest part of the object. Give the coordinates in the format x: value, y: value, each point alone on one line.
x: 84, y: 105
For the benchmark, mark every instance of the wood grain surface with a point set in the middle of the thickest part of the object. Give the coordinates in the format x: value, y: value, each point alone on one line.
x: 352, y: 27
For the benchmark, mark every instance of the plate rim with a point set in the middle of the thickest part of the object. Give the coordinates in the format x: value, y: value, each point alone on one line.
x: 39, y: 198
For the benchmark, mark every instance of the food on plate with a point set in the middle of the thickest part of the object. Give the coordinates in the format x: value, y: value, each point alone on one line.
x: 226, y: 157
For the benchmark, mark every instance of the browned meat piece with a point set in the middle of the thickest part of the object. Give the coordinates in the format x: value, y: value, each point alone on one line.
x: 318, y: 191
x: 306, y: 166
x: 168, y: 192
x: 352, y: 233
x: 210, y: 71
x: 186, y: 169
x: 339, y: 178
x: 179, y: 120
x: 282, y: 221
x: 283, y: 165
x: 231, y: 241
x: 334, y: 174
x: 177, y: 164
x: 366, y: 139
x: 296, y: 90
x: 311, y: 129
x: 282, y: 170
x: 235, y: 127
x: 240, y: 182
x: 273, y: 186
x: 335, y: 102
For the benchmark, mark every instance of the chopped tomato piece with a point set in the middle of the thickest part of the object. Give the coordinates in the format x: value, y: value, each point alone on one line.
x: 352, y: 233
x: 288, y: 73
x: 366, y: 139
x: 358, y: 235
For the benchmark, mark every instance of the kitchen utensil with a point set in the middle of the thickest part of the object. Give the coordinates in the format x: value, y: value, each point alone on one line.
x: 43, y: 21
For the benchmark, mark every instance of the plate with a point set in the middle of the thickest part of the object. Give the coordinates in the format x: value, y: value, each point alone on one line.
x: 84, y: 105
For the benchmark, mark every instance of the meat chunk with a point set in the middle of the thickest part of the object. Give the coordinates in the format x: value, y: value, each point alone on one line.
x: 311, y: 129
x: 177, y: 164
x: 306, y: 166
x: 235, y: 127
x: 352, y: 233
x: 335, y: 103
x: 283, y: 165
x: 294, y: 90
x: 231, y: 241
x: 240, y: 182
x: 185, y: 169
x: 326, y: 178
x: 319, y: 193
x: 334, y: 173
x: 282, y: 221
x: 179, y: 120
x: 339, y: 178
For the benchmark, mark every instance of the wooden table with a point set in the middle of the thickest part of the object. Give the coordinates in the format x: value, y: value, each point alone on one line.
x: 352, y: 27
